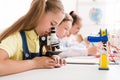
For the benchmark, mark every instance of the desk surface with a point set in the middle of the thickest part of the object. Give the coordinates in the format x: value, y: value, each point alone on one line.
x: 69, y: 72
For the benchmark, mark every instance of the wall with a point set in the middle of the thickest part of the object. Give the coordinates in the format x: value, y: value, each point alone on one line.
x: 110, y: 14
x: 11, y: 10
x: 69, y: 5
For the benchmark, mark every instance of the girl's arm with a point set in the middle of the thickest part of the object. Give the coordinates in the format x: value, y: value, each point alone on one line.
x: 8, y: 66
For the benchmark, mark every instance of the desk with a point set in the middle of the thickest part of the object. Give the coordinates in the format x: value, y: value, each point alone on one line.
x: 69, y: 72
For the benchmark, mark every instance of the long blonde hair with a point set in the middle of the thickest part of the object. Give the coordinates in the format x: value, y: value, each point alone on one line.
x: 30, y: 20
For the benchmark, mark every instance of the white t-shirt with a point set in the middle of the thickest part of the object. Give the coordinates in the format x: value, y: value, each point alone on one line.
x: 71, y: 48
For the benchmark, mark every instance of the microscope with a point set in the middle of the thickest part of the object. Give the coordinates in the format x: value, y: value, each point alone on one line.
x: 49, y: 44
x: 103, y: 60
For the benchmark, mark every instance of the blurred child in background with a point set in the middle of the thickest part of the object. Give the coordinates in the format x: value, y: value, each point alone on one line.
x: 63, y: 29
x: 70, y: 47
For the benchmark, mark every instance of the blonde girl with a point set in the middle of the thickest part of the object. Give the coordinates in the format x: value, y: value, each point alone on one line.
x: 42, y: 15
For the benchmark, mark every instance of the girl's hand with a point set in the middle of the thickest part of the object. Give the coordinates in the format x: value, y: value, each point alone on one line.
x: 92, y: 51
x: 44, y: 62
x: 58, y: 60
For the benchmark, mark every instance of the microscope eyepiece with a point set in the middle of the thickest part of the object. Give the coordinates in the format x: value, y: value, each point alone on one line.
x: 53, y: 30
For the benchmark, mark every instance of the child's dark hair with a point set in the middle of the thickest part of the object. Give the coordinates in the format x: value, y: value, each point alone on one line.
x: 75, y: 17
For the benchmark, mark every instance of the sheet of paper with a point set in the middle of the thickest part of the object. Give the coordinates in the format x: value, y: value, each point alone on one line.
x: 86, y: 60
x: 82, y: 60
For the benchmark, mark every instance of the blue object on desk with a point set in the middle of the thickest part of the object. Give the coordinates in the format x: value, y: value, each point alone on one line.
x: 97, y: 39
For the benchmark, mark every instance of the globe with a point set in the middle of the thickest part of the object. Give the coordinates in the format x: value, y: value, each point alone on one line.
x: 96, y: 15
